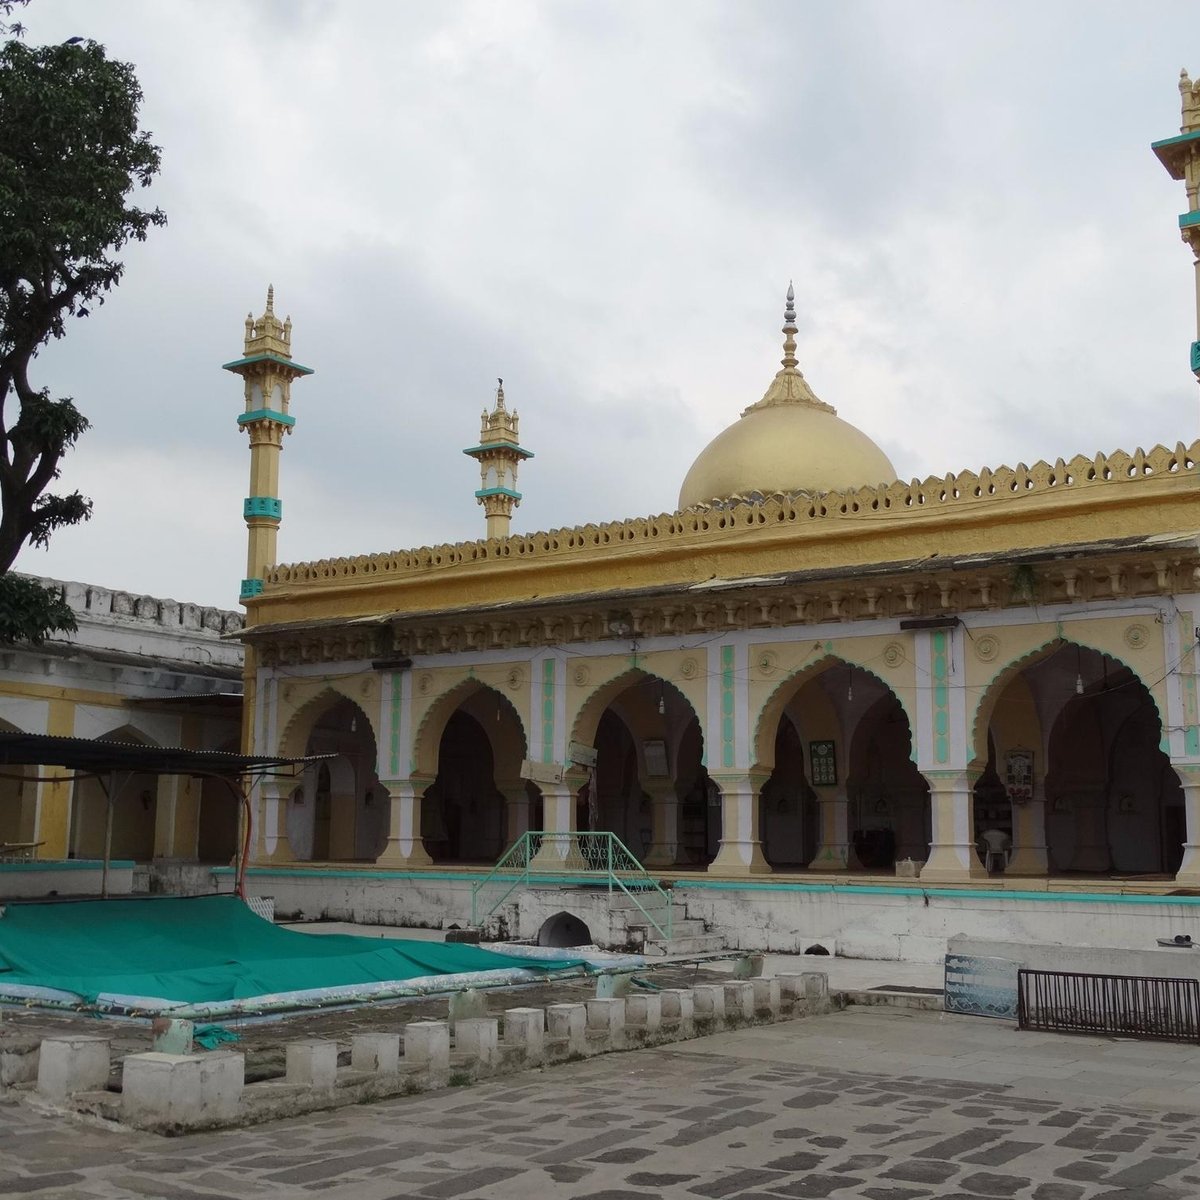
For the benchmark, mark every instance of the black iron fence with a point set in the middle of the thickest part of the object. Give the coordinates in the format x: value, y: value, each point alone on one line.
x: 1129, y: 1005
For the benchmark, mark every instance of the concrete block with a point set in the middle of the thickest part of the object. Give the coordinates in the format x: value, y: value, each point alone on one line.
x: 427, y: 1044
x: 378, y: 1053
x: 182, y: 1091
x: 67, y: 1065
x: 739, y: 1000
x: 467, y: 1005
x: 679, y: 1008
x: 171, y: 1035
x: 526, y: 1028
x: 608, y: 1016
x: 312, y: 1065
x: 644, y: 1009
x: 18, y: 1060
x: 608, y: 986
x: 816, y: 990
x: 791, y: 987
x: 709, y: 1000
x: 767, y: 997
x: 568, y: 1021
x: 479, y: 1039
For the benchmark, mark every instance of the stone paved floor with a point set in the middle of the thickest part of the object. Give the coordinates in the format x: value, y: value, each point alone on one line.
x: 869, y: 1103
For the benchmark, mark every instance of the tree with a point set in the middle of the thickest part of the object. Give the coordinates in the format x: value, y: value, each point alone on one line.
x: 71, y: 153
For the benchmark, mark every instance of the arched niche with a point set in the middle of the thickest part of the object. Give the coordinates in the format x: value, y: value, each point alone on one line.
x: 496, y: 715
x: 338, y: 811
x: 649, y: 749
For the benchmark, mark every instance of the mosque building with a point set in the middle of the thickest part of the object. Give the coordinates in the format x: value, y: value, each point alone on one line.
x: 811, y: 670
x: 811, y: 684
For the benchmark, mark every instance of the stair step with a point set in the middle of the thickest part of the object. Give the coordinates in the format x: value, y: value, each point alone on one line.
x: 707, y: 943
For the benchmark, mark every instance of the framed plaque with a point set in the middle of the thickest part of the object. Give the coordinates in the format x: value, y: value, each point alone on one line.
x: 822, y: 758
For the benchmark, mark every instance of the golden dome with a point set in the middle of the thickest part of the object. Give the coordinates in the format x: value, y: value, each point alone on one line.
x: 788, y: 442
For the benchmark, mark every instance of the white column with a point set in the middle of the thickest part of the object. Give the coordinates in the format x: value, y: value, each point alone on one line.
x: 1189, y: 777
x: 952, y: 854
x: 516, y: 809
x: 559, y: 850
x: 404, y: 846
x: 1030, y: 855
x: 942, y: 742
x: 740, y: 852
x: 271, y: 821
x: 664, y: 802
x: 835, y: 853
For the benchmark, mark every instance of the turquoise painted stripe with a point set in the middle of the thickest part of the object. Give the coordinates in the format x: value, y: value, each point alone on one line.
x: 548, y: 676
x: 511, y: 447
x: 271, y: 358
x: 394, y: 757
x: 267, y: 414
x: 497, y: 491
x: 715, y: 885
x: 66, y: 864
x: 1196, y: 356
x: 251, y: 588
x: 875, y: 889
x: 1188, y: 219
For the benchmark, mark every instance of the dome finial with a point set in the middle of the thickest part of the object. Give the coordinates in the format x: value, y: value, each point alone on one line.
x: 499, y: 394
x: 789, y: 329
x: 271, y: 299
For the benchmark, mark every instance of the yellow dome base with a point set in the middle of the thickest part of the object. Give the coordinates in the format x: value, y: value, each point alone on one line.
x: 785, y: 448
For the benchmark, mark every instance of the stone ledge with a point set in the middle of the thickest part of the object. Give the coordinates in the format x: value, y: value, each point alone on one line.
x: 185, y: 1105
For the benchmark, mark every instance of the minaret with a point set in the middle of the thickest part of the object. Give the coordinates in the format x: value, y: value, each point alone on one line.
x: 499, y: 454
x: 1181, y: 156
x: 268, y: 370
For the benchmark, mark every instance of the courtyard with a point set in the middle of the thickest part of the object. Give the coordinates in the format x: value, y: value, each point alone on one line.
x: 871, y: 1102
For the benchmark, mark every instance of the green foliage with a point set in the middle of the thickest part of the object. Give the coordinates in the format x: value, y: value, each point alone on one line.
x: 11, y: 28
x: 29, y: 611
x: 71, y: 154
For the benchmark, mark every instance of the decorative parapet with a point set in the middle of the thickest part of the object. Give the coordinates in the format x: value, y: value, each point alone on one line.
x: 978, y: 493
x: 104, y: 605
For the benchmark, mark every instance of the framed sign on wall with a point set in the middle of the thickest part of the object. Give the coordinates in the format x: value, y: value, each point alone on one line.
x: 1018, y: 775
x: 822, y: 757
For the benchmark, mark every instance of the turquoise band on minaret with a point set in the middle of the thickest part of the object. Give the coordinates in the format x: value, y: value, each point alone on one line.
x: 250, y: 588
x: 263, y: 506
x: 266, y: 414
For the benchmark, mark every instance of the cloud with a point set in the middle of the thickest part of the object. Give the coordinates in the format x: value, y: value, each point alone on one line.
x: 603, y: 202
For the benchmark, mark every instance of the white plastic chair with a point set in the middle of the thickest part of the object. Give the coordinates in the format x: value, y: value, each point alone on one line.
x: 997, y: 848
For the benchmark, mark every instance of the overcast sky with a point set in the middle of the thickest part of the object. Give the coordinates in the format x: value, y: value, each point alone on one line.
x: 603, y: 202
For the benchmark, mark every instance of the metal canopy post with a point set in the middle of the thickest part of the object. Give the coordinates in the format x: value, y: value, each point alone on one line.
x: 117, y: 781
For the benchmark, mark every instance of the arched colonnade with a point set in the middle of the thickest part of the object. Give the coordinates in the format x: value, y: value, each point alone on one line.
x: 1065, y: 769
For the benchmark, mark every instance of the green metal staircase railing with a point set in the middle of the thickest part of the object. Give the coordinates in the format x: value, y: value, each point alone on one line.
x: 580, y: 859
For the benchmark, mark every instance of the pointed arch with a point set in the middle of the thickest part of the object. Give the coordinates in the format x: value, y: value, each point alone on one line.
x: 472, y: 695
x: 293, y: 742
x: 587, y: 717
x: 985, y: 708
x: 767, y: 724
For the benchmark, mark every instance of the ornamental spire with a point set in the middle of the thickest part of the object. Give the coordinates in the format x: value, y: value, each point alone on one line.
x: 789, y: 386
x: 789, y: 328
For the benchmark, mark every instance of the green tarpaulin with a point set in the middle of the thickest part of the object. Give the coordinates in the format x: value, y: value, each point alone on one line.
x: 210, y: 948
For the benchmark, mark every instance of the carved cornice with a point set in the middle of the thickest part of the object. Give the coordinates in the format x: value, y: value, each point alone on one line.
x: 923, y: 588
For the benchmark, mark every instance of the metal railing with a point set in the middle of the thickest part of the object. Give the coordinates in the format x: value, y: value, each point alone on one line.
x: 1131, y: 1005
x: 582, y: 859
